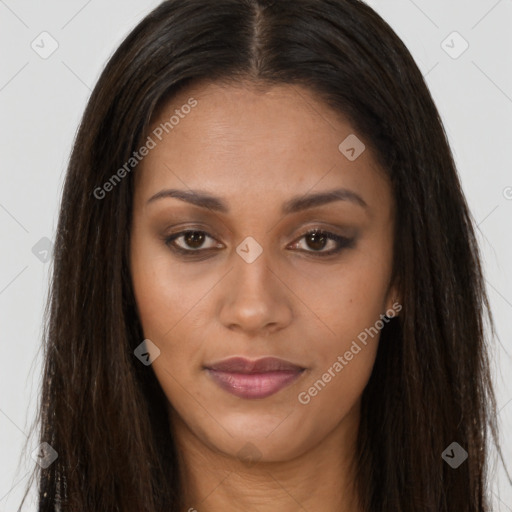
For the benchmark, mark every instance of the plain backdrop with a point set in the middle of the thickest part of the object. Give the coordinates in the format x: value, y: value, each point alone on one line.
x: 462, y: 47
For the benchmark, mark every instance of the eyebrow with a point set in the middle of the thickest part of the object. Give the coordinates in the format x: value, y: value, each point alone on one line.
x: 293, y: 205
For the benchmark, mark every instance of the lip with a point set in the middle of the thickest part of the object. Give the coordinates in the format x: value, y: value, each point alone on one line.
x: 253, y: 379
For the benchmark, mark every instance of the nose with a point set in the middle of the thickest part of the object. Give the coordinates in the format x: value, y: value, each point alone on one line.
x: 255, y: 300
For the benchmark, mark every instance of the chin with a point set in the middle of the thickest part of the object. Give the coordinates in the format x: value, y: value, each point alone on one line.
x: 258, y: 437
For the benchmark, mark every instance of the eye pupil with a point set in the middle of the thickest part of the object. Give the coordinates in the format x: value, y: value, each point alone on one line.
x: 318, y: 240
x: 194, y: 238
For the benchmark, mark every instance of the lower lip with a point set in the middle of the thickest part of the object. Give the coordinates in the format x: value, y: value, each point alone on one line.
x: 254, y: 385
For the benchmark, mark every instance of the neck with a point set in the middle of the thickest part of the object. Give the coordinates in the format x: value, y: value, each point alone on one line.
x: 321, y: 478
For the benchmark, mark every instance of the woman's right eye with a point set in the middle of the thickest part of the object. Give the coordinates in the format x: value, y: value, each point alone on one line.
x: 191, y: 241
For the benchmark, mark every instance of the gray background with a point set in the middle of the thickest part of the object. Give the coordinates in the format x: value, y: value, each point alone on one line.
x: 41, y: 102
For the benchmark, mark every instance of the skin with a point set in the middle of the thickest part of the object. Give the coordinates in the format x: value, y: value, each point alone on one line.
x: 256, y: 149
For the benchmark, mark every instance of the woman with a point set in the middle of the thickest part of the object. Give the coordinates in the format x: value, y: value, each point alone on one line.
x: 267, y: 290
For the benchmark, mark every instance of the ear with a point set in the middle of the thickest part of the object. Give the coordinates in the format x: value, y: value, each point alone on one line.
x: 393, y: 302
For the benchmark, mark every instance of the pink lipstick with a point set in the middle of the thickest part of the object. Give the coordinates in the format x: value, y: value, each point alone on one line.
x: 253, y: 379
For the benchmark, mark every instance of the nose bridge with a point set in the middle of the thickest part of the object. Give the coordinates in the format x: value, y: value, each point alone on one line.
x: 253, y: 278
x: 254, y: 298
x: 252, y: 266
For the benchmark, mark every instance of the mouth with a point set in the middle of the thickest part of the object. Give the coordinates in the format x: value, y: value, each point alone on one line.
x: 253, y: 379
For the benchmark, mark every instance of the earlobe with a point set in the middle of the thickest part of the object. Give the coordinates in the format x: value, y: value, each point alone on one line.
x: 393, y: 303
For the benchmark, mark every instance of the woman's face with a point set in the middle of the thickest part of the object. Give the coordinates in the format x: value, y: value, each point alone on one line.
x: 252, y: 170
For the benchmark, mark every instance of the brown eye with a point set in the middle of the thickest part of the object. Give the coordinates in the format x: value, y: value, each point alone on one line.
x: 190, y: 241
x: 194, y: 239
x: 317, y: 240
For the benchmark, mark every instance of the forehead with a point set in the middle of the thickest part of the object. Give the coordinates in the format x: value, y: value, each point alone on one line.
x: 251, y: 143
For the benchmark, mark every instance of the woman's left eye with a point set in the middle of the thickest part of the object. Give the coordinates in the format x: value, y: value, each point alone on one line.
x: 192, y: 242
x: 318, y: 240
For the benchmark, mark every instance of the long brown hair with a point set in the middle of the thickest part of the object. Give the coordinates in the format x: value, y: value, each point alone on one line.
x: 105, y: 414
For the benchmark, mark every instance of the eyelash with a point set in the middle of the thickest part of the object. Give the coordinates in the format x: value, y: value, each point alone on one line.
x: 342, y: 242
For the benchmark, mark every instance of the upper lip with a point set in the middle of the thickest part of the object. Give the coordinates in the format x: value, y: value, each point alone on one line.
x: 263, y: 365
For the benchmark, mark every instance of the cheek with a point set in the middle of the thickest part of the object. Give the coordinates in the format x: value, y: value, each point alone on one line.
x: 346, y: 300
x: 347, y: 306
x: 166, y: 295
x: 170, y: 305
x: 330, y: 395
x: 345, y: 352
